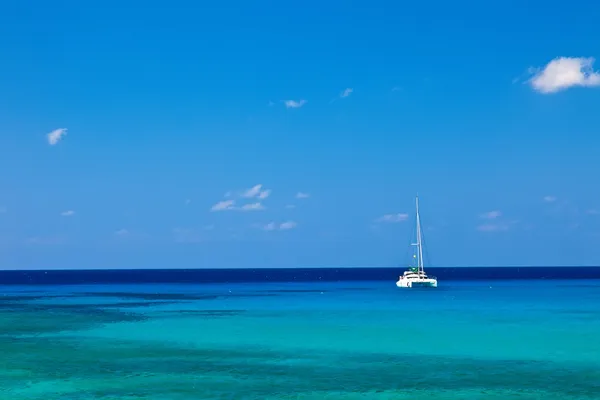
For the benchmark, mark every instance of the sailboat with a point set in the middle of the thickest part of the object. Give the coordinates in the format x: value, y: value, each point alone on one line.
x: 415, y: 276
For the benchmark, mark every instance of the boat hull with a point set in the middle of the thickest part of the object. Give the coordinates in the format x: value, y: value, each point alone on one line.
x: 413, y: 283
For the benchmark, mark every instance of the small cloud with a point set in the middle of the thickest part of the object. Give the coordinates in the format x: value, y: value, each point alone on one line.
x: 188, y: 201
x: 122, y: 232
x: 228, y: 194
x: 264, y: 194
x: 271, y: 104
x: 257, y: 191
x: 270, y: 226
x: 223, y: 205
x: 68, y: 213
x: 252, y: 207
x: 294, y: 103
x: 290, y: 206
x: 563, y: 73
x: 346, y: 92
x: 301, y: 195
x: 549, y: 199
x: 284, y: 226
x: 396, y: 88
x: 55, y: 136
x: 593, y: 212
x: 393, y: 218
x: 491, y: 215
x: 287, y: 225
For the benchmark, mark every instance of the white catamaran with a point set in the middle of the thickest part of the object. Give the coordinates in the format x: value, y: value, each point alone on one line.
x: 415, y: 276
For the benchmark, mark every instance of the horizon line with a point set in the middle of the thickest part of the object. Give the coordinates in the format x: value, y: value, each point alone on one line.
x: 286, y: 268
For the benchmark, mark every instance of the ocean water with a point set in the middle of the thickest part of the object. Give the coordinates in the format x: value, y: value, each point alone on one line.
x: 478, y: 339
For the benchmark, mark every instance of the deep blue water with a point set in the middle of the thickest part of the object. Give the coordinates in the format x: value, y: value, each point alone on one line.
x: 53, y: 277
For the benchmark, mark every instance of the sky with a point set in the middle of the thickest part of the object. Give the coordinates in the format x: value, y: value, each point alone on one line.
x: 185, y: 134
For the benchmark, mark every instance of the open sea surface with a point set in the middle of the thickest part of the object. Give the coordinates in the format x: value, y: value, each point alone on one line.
x: 81, y: 337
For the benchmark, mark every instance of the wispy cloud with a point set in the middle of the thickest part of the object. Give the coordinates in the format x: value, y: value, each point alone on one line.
x: 290, y: 206
x: 563, y: 73
x: 271, y: 226
x: 302, y: 195
x: 68, y: 213
x: 549, y: 199
x: 593, y: 211
x: 257, y: 191
x: 294, y: 103
x: 56, y: 135
x: 252, y: 207
x: 287, y: 225
x: 393, y: 218
x: 223, y: 205
x: 264, y: 194
x: 284, y: 226
x: 396, y: 88
x: 491, y: 215
x: 122, y: 232
x: 346, y: 92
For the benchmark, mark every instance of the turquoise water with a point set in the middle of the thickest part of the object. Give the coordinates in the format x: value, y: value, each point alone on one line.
x: 350, y: 340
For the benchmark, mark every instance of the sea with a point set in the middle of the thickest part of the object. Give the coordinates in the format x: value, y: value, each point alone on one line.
x: 346, y: 333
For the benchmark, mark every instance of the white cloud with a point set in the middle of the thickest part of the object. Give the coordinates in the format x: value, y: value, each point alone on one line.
x: 270, y: 226
x: 347, y: 92
x: 55, y: 136
x: 284, y: 226
x: 252, y: 207
x: 294, y: 103
x: 491, y: 215
x: 287, y: 225
x: 290, y: 206
x: 399, y: 217
x: 264, y: 194
x: 301, y: 195
x: 68, y: 213
x: 257, y: 191
x: 563, y: 73
x: 549, y: 199
x: 253, y: 191
x: 223, y: 205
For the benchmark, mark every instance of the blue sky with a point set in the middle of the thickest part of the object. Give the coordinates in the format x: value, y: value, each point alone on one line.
x: 122, y: 124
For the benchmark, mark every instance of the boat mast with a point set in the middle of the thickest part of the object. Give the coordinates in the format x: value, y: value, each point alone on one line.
x: 419, y: 244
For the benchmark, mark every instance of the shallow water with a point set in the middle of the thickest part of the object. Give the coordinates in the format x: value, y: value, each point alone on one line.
x: 352, y: 340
